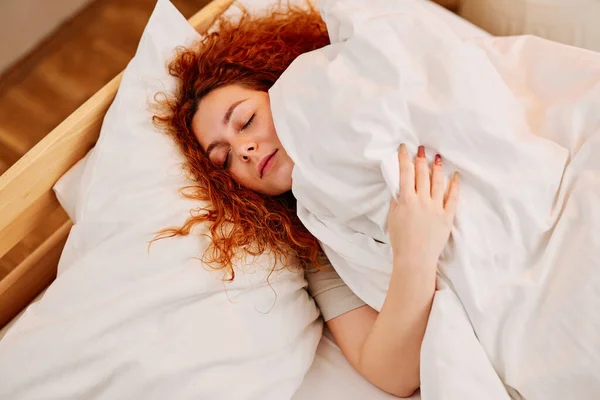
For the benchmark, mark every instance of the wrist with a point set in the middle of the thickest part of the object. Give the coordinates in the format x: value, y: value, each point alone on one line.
x: 419, y: 260
x: 417, y: 266
x: 413, y: 282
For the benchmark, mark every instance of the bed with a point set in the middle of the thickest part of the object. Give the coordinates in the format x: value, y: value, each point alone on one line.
x: 26, y: 196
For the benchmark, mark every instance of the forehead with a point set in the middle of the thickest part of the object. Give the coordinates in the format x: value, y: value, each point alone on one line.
x: 207, y: 123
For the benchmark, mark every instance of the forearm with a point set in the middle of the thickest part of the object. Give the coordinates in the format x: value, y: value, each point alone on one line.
x: 390, y: 355
x: 385, y: 347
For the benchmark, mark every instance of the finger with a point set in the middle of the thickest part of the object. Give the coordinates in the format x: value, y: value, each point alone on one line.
x: 407, y: 171
x: 437, y: 181
x: 451, y: 200
x: 423, y: 180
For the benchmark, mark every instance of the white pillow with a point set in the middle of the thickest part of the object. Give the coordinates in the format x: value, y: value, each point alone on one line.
x: 126, y: 321
x: 67, y: 187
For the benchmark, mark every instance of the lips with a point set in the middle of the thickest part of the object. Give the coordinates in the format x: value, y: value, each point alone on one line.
x: 263, y: 163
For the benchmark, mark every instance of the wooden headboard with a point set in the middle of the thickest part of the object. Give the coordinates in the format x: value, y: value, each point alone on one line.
x: 26, y: 195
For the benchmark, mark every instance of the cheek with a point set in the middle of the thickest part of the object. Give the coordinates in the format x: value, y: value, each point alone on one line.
x: 277, y: 184
x: 270, y: 132
x: 246, y: 178
x: 240, y: 175
x: 283, y: 178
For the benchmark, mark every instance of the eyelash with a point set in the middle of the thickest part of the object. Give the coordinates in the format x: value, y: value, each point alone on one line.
x: 243, y: 128
x: 249, y: 122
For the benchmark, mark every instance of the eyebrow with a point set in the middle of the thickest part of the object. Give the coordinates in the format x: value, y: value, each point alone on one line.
x: 226, y: 120
x: 232, y: 107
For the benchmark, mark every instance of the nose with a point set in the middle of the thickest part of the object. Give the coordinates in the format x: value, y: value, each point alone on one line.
x: 246, y: 150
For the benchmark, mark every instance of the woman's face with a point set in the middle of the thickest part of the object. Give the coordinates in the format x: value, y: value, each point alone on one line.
x: 234, y: 125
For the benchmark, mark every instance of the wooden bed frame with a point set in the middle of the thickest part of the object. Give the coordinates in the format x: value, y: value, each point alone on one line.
x: 26, y: 195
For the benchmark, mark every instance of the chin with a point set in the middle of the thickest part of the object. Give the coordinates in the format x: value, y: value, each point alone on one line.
x: 279, y: 182
x: 280, y: 185
x: 284, y: 178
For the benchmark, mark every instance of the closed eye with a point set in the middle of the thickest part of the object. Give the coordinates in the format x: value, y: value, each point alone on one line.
x: 228, y: 156
x: 249, y: 122
x: 227, y: 159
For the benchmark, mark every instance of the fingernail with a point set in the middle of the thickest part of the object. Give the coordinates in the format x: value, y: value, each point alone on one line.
x: 402, y: 147
x: 421, y: 152
x: 455, y: 176
x: 438, y: 159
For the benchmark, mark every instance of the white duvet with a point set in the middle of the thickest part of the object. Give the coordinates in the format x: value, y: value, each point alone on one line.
x: 518, y: 307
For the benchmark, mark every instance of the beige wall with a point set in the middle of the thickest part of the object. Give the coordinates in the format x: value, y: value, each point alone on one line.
x: 574, y: 22
x: 24, y: 23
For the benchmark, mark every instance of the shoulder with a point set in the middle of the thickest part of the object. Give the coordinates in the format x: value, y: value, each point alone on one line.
x: 332, y: 295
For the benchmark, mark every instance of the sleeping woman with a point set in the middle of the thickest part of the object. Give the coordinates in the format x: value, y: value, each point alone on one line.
x: 221, y: 119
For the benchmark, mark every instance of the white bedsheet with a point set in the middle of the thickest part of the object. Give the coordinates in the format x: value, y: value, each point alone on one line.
x: 331, y: 377
x: 517, y: 310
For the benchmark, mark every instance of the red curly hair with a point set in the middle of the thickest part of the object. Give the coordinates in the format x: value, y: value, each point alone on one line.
x: 253, y: 52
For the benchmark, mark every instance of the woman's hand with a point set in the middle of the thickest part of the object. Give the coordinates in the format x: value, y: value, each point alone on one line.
x: 420, y: 220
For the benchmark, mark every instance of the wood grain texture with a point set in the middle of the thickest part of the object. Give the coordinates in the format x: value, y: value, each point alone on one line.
x: 32, y: 275
x: 26, y: 187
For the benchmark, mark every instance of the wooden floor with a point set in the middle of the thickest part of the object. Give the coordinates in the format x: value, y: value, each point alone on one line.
x: 59, y: 75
